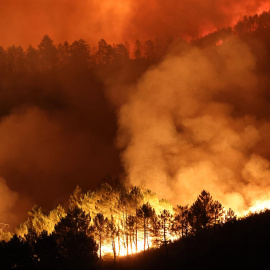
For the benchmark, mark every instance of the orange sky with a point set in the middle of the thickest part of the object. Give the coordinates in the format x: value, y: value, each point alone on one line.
x: 27, y: 21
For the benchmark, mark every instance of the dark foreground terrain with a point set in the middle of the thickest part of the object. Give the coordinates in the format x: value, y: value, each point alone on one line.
x: 242, y: 244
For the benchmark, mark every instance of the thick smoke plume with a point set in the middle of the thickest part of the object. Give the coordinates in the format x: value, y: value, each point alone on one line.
x: 194, y: 122
x: 25, y: 22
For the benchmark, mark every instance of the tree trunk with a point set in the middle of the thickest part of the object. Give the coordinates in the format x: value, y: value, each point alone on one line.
x: 144, y: 234
x: 164, y: 238
x: 114, y: 251
x: 100, y: 246
x: 127, y: 242
x: 130, y: 241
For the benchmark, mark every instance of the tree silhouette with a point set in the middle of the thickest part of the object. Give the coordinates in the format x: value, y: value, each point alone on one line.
x: 63, y: 53
x: 218, y: 212
x: 137, y: 53
x: 166, y: 220
x: 112, y: 232
x: 32, y: 59
x: 99, y: 230
x: 16, y: 254
x: 136, y: 199
x: 145, y: 213
x: 202, y: 211
x: 230, y: 216
x: 79, y: 54
x: 181, y: 220
x: 2, y: 61
x: 75, y: 199
x: 47, y: 53
x: 104, y: 53
x: 76, y: 247
x: 15, y: 59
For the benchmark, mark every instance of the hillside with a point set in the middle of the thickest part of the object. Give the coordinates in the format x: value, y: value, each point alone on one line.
x: 243, y: 244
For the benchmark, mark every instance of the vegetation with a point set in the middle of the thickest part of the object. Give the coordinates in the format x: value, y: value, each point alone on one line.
x: 112, y: 220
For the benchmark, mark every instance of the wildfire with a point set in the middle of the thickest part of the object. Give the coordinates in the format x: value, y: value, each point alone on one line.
x: 258, y: 207
x: 122, y: 249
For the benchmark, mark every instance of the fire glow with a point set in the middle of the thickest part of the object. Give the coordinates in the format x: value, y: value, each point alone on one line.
x: 258, y: 207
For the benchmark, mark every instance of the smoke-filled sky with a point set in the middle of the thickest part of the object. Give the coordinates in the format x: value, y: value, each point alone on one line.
x: 199, y: 120
x: 25, y: 22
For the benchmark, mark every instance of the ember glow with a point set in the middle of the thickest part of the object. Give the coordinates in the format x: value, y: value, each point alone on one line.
x: 119, y: 20
x: 258, y: 207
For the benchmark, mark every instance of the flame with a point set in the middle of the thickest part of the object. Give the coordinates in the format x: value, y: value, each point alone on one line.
x: 219, y: 43
x: 258, y: 207
x: 123, y: 250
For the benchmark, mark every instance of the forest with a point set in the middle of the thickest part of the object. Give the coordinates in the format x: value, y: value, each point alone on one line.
x: 80, y: 56
x: 113, y: 220
x: 110, y: 222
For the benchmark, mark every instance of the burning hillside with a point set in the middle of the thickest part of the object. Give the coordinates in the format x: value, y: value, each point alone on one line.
x: 169, y: 112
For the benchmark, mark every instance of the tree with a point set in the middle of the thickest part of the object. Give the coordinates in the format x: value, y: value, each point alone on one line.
x: 149, y: 51
x: 105, y: 52
x: 15, y: 59
x: 47, y: 53
x: 16, y: 254
x: 230, y: 216
x: 63, y: 53
x: 218, y: 212
x: 37, y: 221
x: 99, y: 229
x: 130, y: 229
x: 121, y: 54
x: 136, y: 199
x: 32, y: 60
x: 46, y: 252
x: 181, y: 220
x: 166, y: 219
x: 2, y: 60
x: 75, y: 199
x: 75, y: 221
x: 137, y: 53
x: 202, y: 211
x: 77, y: 248
x: 112, y: 232
x: 55, y: 217
x: 79, y: 54
x: 145, y: 213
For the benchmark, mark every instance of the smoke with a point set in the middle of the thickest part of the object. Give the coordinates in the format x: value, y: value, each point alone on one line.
x: 25, y: 22
x: 191, y: 123
x: 12, y: 206
x: 52, y: 139
x: 187, y: 19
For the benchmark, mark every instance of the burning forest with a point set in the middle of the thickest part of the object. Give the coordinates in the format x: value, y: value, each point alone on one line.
x: 116, y: 221
x: 171, y: 100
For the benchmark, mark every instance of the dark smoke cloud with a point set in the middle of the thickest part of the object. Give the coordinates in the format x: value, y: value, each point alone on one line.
x: 47, y: 149
x: 25, y: 22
